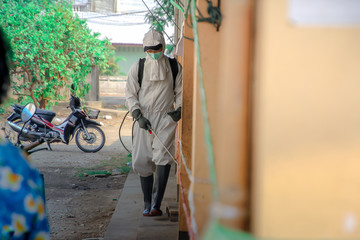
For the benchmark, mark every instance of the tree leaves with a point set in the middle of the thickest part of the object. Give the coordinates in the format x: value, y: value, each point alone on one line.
x: 51, y: 47
x: 161, y: 15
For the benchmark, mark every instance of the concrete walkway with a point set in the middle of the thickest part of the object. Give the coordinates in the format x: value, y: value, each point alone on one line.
x: 127, y: 222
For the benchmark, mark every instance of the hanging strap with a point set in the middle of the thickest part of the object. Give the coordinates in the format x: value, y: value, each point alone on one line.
x: 141, y: 70
x: 174, y: 69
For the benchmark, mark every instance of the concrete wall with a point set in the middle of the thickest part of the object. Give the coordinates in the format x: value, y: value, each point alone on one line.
x: 306, y: 128
x: 112, y: 86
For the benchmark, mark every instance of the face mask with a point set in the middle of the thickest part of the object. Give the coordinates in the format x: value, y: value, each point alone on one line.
x: 155, y: 56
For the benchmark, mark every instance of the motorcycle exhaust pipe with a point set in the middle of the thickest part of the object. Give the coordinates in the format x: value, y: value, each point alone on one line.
x: 25, y: 132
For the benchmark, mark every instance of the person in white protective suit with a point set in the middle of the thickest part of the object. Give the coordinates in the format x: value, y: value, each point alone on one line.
x: 152, y: 106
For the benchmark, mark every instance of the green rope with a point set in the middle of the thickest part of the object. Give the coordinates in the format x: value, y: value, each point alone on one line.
x: 209, y: 146
x: 177, y: 6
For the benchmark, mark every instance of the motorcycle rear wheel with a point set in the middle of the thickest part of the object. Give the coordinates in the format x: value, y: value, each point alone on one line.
x: 92, y: 142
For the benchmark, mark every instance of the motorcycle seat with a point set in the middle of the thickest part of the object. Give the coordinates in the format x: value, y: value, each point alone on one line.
x: 46, y: 114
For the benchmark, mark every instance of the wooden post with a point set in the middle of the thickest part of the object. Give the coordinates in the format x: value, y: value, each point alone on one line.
x: 93, y: 79
x: 232, y: 148
x: 186, y: 125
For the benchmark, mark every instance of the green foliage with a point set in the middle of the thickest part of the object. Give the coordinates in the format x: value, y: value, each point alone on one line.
x: 5, y: 107
x: 113, y: 68
x: 51, y: 48
x: 161, y: 15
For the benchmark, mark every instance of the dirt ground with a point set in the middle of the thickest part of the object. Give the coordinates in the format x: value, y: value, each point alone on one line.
x: 82, y: 189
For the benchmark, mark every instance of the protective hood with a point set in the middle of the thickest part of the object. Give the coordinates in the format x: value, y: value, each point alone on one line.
x: 153, y: 38
x: 156, y: 68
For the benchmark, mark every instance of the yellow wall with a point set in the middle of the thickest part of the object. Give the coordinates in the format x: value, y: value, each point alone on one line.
x: 306, y: 128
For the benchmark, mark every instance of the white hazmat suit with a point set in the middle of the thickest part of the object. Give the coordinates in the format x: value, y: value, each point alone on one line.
x: 150, y: 104
x: 155, y: 98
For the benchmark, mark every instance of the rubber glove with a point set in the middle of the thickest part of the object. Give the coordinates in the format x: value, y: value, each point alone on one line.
x: 143, y: 122
x: 175, y: 115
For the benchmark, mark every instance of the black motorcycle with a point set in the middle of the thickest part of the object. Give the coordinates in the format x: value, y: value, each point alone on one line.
x: 89, y: 137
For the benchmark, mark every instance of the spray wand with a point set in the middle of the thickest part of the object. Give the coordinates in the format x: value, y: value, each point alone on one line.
x: 151, y: 131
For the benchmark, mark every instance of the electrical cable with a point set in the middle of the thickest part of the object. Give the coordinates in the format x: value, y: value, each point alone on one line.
x: 115, y: 23
x: 118, y: 24
x: 118, y: 21
x: 115, y: 15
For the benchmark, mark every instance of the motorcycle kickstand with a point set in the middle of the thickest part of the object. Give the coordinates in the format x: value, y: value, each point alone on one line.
x: 48, y: 144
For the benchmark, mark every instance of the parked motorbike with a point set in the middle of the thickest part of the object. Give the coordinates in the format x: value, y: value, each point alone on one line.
x: 89, y: 137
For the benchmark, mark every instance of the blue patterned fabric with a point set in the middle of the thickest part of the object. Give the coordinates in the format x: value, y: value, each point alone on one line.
x: 22, y: 203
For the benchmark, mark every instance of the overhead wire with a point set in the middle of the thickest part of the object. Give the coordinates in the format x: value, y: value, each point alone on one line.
x: 119, y: 24
x: 112, y: 19
x: 158, y: 22
x: 171, y: 18
x: 115, y: 15
x: 118, y: 21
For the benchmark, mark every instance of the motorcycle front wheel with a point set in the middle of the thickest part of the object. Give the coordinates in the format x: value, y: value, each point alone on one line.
x: 92, y: 141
